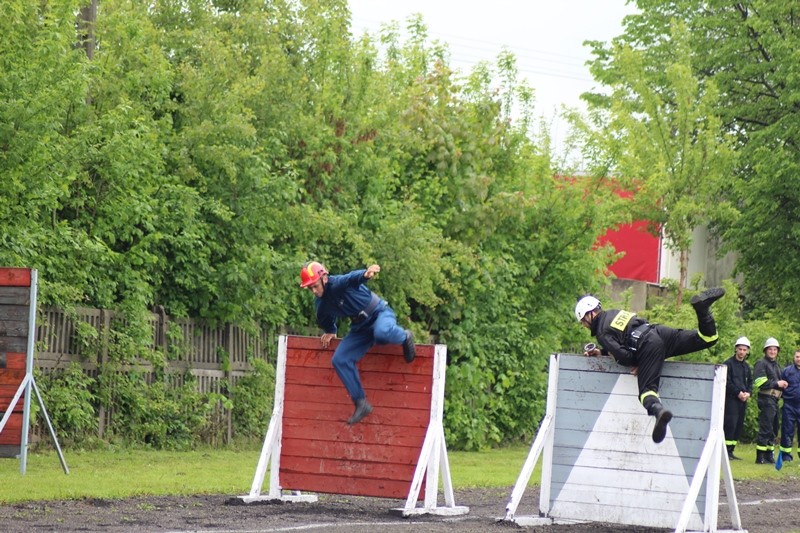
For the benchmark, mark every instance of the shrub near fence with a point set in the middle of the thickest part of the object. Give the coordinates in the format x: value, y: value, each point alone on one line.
x: 182, y: 352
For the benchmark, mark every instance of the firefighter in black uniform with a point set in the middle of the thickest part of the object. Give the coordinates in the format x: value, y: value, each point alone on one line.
x: 737, y: 392
x: 767, y: 381
x: 635, y: 343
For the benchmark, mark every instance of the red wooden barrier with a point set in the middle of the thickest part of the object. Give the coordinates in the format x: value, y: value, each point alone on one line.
x: 385, y: 455
x: 15, y: 300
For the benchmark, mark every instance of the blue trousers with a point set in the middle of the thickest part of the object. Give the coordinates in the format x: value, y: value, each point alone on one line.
x: 791, y: 417
x: 381, y: 328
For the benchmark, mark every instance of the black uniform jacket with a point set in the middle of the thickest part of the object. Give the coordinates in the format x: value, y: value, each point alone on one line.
x: 740, y: 377
x: 612, y: 329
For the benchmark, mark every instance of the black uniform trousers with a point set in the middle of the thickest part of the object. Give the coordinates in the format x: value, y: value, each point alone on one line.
x: 768, y: 421
x: 733, y: 422
x: 660, y: 343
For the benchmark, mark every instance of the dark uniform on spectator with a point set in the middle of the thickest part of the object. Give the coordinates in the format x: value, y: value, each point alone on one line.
x: 767, y: 381
x: 737, y: 393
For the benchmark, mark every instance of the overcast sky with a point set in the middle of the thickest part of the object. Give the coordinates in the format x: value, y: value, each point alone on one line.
x: 546, y: 36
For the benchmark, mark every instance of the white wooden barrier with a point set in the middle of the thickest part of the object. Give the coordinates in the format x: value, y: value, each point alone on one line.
x: 599, y: 463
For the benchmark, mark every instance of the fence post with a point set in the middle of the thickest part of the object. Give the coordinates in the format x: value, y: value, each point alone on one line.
x: 105, y: 326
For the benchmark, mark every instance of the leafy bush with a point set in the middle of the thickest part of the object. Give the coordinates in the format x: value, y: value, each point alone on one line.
x: 70, y: 403
x: 252, y: 398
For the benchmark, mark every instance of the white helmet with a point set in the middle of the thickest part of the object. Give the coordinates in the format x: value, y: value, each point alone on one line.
x: 772, y: 341
x: 742, y: 341
x: 584, y: 305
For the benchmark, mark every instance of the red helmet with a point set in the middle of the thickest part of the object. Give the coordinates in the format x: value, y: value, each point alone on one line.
x: 310, y: 273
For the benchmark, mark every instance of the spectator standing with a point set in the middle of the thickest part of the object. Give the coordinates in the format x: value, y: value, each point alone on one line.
x: 790, y: 421
x: 767, y: 381
x: 737, y: 393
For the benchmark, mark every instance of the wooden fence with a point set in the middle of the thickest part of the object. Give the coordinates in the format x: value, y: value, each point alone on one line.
x: 214, y: 356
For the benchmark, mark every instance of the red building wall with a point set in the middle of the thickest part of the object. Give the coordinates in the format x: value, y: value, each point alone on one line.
x: 641, y: 249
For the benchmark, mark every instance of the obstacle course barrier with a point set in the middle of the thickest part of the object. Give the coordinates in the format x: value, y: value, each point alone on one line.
x: 18, y: 290
x: 398, y: 451
x: 599, y: 462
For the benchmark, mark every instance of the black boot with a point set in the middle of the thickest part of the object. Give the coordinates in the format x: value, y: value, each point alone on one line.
x: 760, y: 460
x: 409, y: 350
x: 769, y: 457
x: 702, y: 307
x: 786, y: 456
x: 663, y: 417
x: 730, y: 453
x: 363, y: 408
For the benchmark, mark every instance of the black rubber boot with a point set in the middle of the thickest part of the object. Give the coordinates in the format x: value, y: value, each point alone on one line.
x: 769, y: 457
x: 663, y: 417
x: 702, y: 307
x: 760, y: 459
x: 409, y: 349
x: 363, y: 408
x: 730, y: 453
x: 786, y: 456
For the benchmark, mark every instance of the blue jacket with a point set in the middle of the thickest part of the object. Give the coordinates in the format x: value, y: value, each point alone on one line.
x: 791, y: 394
x: 345, y: 296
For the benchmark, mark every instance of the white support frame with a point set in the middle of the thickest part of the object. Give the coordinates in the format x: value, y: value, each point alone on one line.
x: 28, y: 385
x: 713, y: 459
x: 432, y: 461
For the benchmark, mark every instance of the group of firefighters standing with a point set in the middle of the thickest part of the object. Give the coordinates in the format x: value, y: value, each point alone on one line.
x: 770, y: 384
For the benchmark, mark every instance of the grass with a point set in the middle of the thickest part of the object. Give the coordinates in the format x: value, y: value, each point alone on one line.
x: 122, y: 473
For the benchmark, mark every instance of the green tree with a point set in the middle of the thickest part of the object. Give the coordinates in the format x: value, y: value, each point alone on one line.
x: 659, y: 135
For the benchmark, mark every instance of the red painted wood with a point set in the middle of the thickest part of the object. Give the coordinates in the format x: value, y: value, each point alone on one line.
x: 376, y: 457
x: 12, y: 432
x: 13, y: 376
x: 7, y: 393
x: 390, y: 472
x: 347, y: 485
x: 15, y: 360
x: 15, y: 277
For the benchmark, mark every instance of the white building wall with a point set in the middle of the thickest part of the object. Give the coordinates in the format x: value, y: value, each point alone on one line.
x: 702, y: 259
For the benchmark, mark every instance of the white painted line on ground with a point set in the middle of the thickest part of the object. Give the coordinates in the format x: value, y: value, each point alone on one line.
x: 308, y: 527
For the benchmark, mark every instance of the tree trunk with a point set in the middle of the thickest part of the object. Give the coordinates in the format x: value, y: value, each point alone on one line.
x: 684, y: 269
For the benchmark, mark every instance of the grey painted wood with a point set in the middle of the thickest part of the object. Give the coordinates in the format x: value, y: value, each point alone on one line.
x: 15, y: 296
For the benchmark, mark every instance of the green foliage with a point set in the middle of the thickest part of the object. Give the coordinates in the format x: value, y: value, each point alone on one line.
x: 252, y: 398
x: 70, y: 403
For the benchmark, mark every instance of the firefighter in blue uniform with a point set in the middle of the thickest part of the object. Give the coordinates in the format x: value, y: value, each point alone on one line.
x: 372, y: 322
x: 635, y: 343
x: 790, y: 421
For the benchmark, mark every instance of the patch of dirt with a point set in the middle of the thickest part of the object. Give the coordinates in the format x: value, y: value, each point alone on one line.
x: 760, y: 506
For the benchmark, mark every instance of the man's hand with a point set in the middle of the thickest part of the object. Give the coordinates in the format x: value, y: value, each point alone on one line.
x: 371, y: 271
x: 591, y: 350
x: 326, y: 339
x: 635, y: 370
x: 783, y: 383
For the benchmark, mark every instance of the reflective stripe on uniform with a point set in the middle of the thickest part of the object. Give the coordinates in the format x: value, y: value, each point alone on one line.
x: 646, y: 394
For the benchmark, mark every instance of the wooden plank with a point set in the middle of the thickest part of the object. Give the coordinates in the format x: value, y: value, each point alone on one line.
x: 347, y: 485
x: 339, y: 413
x: 15, y: 296
x: 371, y: 433
x: 7, y: 393
x: 378, y: 398
x: 14, y: 312
x: 12, y: 432
x: 672, y: 368
x: 15, y: 360
x: 13, y: 376
x: 371, y: 362
x: 15, y: 277
x: 13, y: 328
x: 327, y: 467
x: 390, y: 381
x: 350, y: 451
x: 13, y: 344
